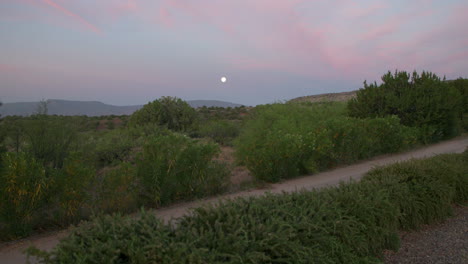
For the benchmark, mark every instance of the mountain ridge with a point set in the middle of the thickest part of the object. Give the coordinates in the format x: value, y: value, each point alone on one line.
x: 89, y: 108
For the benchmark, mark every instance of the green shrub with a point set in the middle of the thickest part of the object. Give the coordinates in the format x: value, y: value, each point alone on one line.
x: 35, y: 196
x: 424, y: 101
x: 221, y: 131
x: 116, y: 239
x: 175, y: 167
x: 24, y: 190
x: 462, y: 86
x: 69, y: 190
x: 116, y: 189
x: 171, y: 112
x: 284, y: 141
x: 112, y: 146
x: 49, y: 141
x: 351, y: 223
x: 424, y: 189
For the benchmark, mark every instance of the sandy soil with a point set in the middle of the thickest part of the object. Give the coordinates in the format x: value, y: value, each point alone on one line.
x: 12, y: 252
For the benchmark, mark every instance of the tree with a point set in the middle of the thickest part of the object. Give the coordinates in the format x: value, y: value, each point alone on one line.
x: 422, y: 100
x: 462, y: 86
x: 42, y: 107
x: 171, y: 112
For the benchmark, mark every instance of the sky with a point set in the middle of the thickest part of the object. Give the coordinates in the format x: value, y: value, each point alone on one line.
x: 128, y: 52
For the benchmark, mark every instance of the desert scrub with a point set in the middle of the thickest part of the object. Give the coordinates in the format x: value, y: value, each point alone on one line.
x: 424, y: 189
x: 423, y: 101
x: 221, y: 131
x: 34, y: 196
x: 24, y: 190
x: 351, y: 223
x: 175, y: 167
x: 70, y: 190
x: 115, y: 189
x: 286, y: 140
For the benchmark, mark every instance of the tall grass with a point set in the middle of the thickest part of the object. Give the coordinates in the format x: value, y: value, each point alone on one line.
x: 351, y: 223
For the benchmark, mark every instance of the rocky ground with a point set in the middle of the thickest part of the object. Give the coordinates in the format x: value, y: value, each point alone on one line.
x: 445, y: 242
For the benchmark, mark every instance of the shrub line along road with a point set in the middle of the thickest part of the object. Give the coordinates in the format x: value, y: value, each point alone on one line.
x: 12, y: 252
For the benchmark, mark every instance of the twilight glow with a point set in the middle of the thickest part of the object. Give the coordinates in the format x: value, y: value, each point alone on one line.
x: 133, y: 51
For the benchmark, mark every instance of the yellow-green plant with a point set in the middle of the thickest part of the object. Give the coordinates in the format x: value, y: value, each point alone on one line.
x: 24, y: 190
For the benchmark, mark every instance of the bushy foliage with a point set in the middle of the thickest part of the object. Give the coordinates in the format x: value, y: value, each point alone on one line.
x: 175, y: 167
x: 222, y: 113
x: 48, y: 141
x: 116, y: 189
x: 111, y: 146
x: 69, y: 194
x: 422, y: 100
x: 24, y: 190
x: 221, y: 131
x: 462, y: 86
x: 285, y: 140
x: 351, y: 223
x: 171, y: 112
x: 424, y: 189
x: 33, y: 194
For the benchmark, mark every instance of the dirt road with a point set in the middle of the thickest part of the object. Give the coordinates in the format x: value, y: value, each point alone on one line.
x: 12, y: 252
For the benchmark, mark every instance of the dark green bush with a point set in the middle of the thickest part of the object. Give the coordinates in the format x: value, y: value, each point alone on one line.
x: 112, y: 146
x: 33, y: 195
x: 117, y: 239
x: 69, y: 191
x: 175, y: 167
x: 49, y: 141
x: 221, y: 131
x: 462, y: 86
x: 24, y: 190
x: 170, y: 112
x: 116, y: 189
x: 424, y: 189
x: 284, y: 141
x: 351, y: 223
x: 423, y: 101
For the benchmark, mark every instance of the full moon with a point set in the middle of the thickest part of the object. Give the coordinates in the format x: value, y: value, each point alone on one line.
x: 223, y: 79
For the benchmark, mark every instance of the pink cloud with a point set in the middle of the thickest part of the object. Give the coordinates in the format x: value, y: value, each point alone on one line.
x: 73, y: 15
x: 7, y: 68
x: 360, y: 12
x: 165, y: 17
x: 120, y: 8
x: 312, y: 38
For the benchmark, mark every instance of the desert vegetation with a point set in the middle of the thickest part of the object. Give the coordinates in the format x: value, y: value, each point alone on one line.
x: 351, y: 223
x: 58, y: 170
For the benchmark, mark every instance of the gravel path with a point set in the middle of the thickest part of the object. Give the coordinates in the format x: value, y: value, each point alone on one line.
x: 445, y: 243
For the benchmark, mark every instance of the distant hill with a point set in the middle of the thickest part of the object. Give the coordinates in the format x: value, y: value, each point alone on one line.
x: 89, y: 108
x: 210, y: 103
x: 328, y: 97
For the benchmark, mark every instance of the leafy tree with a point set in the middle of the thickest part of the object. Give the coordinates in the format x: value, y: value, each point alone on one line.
x: 42, y: 107
x: 424, y: 101
x: 49, y: 140
x: 2, y: 134
x: 171, y: 112
x: 462, y: 86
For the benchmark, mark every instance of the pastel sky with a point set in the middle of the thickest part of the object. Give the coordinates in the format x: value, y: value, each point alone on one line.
x: 127, y: 52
